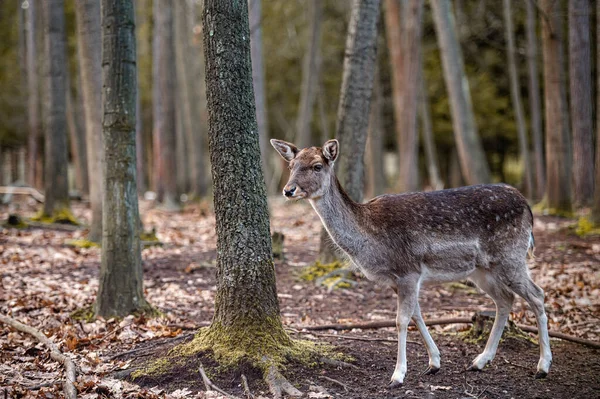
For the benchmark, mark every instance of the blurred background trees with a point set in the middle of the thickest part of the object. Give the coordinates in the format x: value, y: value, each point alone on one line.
x: 465, y: 93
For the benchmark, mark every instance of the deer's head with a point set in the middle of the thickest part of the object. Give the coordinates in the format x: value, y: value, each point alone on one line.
x: 311, y: 168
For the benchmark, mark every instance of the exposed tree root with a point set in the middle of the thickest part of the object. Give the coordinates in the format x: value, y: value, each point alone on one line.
x: 336, y: 382
x: 337, y: 363
x: 212, y: 387
x: 278, y: 384
x: 247, y: 391
x: 70, y: 373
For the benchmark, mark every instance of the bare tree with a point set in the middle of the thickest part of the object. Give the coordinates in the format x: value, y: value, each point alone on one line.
x: 473, y: 163
x: 310, y: 75
x: 164, y: 105
x: 33, y: 99
x: 534, y: 101
x: 120, y: 290
x: 596, y: 204
x: 90, y: 65
x: 515, y: 91
x: 76, y: 132
x: 56, y: 186
x: 375, y: 183
x: 355, y: 102
x: 580, y: 79
x: 558, y: 169
x: 433, y: 169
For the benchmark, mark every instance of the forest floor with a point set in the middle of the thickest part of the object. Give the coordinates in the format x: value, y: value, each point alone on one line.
x: 43, y: 280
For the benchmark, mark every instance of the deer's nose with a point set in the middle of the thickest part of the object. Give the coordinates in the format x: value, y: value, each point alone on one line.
x: 288, y: 191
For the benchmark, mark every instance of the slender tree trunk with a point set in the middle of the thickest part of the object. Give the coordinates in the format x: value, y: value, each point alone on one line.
x: 534, y: 101
x: 473, y: 163
x: 375, y: 184
x: 140, y: 165
x: 33, y: 102
x: 143, y: 145
x: 246, y: 305
x: 89, y: 41
x: 56, y: 184
x: 355, y: 102
x: 596, y: 204
x: 580, y: 78
x: 120, y: 290
x: 409, y: 139
x: 515, y: 91
x: 258, y: 78
x: 433, y: 169
x: 455, y: 176
x: 558, y: 169
x: 310, y: 75
x: 77, y: 143
x: 164, y: 103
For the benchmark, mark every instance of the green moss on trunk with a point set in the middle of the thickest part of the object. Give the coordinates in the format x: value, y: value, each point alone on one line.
x: 60, y: 215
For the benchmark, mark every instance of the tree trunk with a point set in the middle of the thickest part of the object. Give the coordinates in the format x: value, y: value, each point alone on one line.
x: 355, y: 102
x: 246, y: 306
x: 558, y: 168
x: 580, y: 79
x: 409, y: 139
x: 515, y: 93
x: 56, y: 185
x: 310, y: 75
x: 142, y: 142
x: 596, y: 204
x: 375, y: 184
x: 535, y: 102
x: 33, y: 99
x: 473, y: 163
x: 120, y: 290
x: 433, y: 169
x: 89, y: 41
x: 258, y: 79
x: 164, y: 103
x: 77, y: 143
x: 181, y: 146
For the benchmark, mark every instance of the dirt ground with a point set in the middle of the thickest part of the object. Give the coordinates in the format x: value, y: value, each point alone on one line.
x: 43, y: 280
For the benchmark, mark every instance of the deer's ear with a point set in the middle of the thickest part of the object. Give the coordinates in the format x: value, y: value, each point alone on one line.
x: 287, y: 150
x: 331, y: 149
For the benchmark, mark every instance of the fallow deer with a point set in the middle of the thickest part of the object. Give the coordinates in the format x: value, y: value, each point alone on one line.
x: 482, y: 233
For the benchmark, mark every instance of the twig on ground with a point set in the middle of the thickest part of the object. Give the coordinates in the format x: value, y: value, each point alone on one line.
x: 247, y: 391
x: 278, y: 384
x: 41, y: 385
x: 70, y: 373
x: 210, y: 386
x: 152, y: 345
x: 357, y: 338
x: 337, y: 363
x: 53, y: 226
x: 336, y: 382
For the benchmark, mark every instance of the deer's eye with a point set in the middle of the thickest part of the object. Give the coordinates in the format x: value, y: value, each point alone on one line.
x: 318, y: 167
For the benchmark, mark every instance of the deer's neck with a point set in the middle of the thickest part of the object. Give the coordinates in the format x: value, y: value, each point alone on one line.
x: 341, y: 217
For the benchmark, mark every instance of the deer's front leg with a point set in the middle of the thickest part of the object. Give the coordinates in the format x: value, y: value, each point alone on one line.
x: 432, y: 349
x: 407, y: 292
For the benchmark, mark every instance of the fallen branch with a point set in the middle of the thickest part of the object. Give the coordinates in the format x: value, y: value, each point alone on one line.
x: 443, y: 321
x: 53, y: 226
x: 12, y: 190
x: 336, y: 382
x: 210, y: 386
x: 150, y: 347
x: 357, y: 338
x: 70, y: 373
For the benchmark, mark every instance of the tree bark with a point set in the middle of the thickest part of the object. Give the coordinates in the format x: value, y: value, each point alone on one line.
x: 89, y: 40
x: 33, y: 99
x: 433, y: 169
x: 515, y: 91
x: 355, y: 102
x: 310, y: 75
x: 258, y: 79
x: 56, y: 185
x: 120, y: 290
x: 375, y: 184
x: 409, y: 139
x: 77, y: 143
x: 596, y: 204
x: 558, y: 168
x: 164, y: 104
x: 535, y: 102
x: 580, y: 79
x: 184, y: 123
x: 246, y: 304
x: 473, y: 163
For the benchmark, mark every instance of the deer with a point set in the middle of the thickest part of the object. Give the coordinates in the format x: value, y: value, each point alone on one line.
x: 482, y: 233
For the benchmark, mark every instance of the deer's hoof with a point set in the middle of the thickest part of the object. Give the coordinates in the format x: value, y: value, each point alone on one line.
x: 540, y: 374
x: 474, y: 368
x: 431, y: 370
x: 394, y: 384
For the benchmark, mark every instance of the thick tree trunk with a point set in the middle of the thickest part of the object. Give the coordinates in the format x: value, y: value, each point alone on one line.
x: 164, y: 103
x: 56, y: 185
x: 409, y: 139
x: 77, y: 143
x: 33, y: 99
x: 596, y: 204
x: 535, y: 102
x: 355, y: 102
x: 515, y: 93
x: 310, y: 75
x: 89, y: 41
x: 473, y: 163
x: 375, y: 184
x: 580, y: 79
x: 260, y: 95
x: 120, y: 290
x: 433, y: 169
x: 246, y: 305
x: 558, y: 168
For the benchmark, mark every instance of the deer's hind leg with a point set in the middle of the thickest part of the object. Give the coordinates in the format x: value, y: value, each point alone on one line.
x: 503, y: 298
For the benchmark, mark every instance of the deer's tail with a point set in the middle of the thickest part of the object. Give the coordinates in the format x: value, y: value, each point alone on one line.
x: 531, y: 246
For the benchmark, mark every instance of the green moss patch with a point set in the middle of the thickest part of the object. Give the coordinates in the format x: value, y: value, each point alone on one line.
x: 16, y: 222
x: 82, y: 243
x: 482, y: 326
x: 62, y: 216
x: 317, y: 271
x: 84, y: 314
x: 586, y: 228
